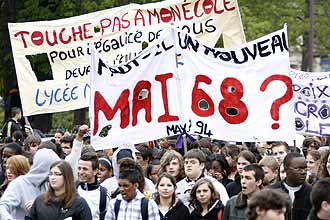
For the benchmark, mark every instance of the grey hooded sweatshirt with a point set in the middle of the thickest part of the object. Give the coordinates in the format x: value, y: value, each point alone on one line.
x: 27, y: 187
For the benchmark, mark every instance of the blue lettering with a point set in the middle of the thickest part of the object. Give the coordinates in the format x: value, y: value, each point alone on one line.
x: 37, y: 98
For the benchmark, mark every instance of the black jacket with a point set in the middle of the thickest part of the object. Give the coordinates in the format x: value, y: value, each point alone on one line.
x: 301, y: 205
x: 177, y: 212
x: 235, y: 208
x: 211, y: 215
x: 313, y: 215
x: 40, y: 211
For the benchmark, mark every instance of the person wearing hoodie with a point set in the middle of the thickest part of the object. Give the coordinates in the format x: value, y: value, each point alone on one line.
x: 170, y: 207
x: 206, y: 201
x: 22, y: 191
x: 112, y: 183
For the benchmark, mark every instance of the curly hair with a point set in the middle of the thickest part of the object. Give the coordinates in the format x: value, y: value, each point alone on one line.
x: 322, y: 170
x: 132, y: 171
x: 193, y: 198
x: 266, y: 199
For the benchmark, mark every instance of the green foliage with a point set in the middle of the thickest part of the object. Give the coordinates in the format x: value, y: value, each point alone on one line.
x: 63, y: 120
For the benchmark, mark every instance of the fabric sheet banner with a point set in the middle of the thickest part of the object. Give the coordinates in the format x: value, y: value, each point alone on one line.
x: 63, y: 46
x: 311, y: 93
x: 242, y: 94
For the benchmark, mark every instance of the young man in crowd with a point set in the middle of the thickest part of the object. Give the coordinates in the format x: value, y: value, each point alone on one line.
x: 13, y: 124
x: 251, y: 181
x: 89, y: 188
x: 295, y: 166
x: 280, y: 150
x: 194, y: 166
x: 320, y: 198
x: 270, y: 166
x: 66, y: 144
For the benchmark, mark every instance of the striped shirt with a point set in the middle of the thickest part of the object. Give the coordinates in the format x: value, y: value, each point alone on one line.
x: 132, y: 210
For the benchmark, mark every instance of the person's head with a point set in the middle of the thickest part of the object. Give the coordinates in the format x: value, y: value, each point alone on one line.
x: 320, y: 198
x: 143, y: 154
x: 251, y: 179
x: 61, y: 184
x: 194, y: 163
x: 88, y: 166
x: 58, y: 135
x: 268, y: 204
x: 219, y: 168
x: 310, y: 143
x: 172, y: 163
x: 153, y: 170
x: 324, y: 165
x: 281, y: 173
x: 18, y: 137
x: 270, y: 166
x: 66, y: 144
x: 231, y: 152
x: 16, y: 113
x: 31, y: 144
x: 295, y: 167
x: 105, y: 169
x: 17, y: 165
x: 312, y: 158
x: 202, y: 194
x: 165, y: 187
x: 280, y: 150
x: 131, y: 179
x: 9, y: 150
x: 163, y: 143
x: 245, y: 157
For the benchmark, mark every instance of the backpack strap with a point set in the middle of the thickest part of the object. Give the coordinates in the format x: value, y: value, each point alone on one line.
x: 117, y: 206
x: 103, y: 202
x: 144, y: 208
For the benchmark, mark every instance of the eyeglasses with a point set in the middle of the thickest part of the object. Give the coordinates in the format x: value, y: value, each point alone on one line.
x: 55, y: 174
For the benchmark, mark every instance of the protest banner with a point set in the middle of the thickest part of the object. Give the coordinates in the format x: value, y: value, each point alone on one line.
x: 311, y: 93
x: 63, y: 46
x: 241, y: 94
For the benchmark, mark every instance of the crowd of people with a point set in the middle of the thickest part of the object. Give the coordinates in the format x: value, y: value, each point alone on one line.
x: 65, y: 178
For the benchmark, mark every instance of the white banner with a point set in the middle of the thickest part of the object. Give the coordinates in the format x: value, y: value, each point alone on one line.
x: 62, y: 46
x: 311, y: 93
x: 243, y: 94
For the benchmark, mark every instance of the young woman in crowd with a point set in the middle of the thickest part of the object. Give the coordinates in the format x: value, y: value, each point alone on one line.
x: 324, y: 166
x: 206, y: 201
x: 61, y: 201
x: 231, y: 152
x: 312, y: 157
x: 169, y: 206
x: 244, y: 158
x: 16, y: 165
x: 219, y: 168
x: 172, y: 163
x: 105, y: 169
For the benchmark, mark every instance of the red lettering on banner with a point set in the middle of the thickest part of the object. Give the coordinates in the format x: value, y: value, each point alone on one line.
x: 166, y: 116
x: 225, y: 3
x: 125, y: 22
x: 139, y: 16
x: 105, y: 23
x: 37, y: 38
x: 199, y: 95
x: 54, y: 38
x: 77, y: 32
x: 231, y: 108
x: 196, y: 10
x: 61, y: 37
x: 86, y: 30
x: 100, y: 104
x: 21, y: 33
x: 186, y: 11
x: 116, y: 22
x: 141, y: 102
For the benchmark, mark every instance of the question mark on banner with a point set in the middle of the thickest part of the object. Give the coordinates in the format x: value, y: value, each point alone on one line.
x: 274, y: 111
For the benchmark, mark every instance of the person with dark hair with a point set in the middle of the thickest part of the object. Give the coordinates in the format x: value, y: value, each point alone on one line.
x: 245, y: 158
x: 219, y: 168
x: 13, y: 124
x: 112, y: 183
x: 194, y: 166
x: 66, y: 144
x: 294, y: 184
x: 320, y: 199
x: 231, y: 152
x: 21, y: 192
x: 280, y: 150
x: 18, y: 137
x: 131, y: 203
x: 251, y: 181
x: 170, y: 207
x: 310, y: 143
x: 105, y: 169
x: 153, y: 170
x: 61, y: 200
x: 89, y: 188
x: 58, y: 135
x: 205, y: 200
x: 31, y: 144
x: 268, y: 204
x: 143, y: 155
x: 323, y: 169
